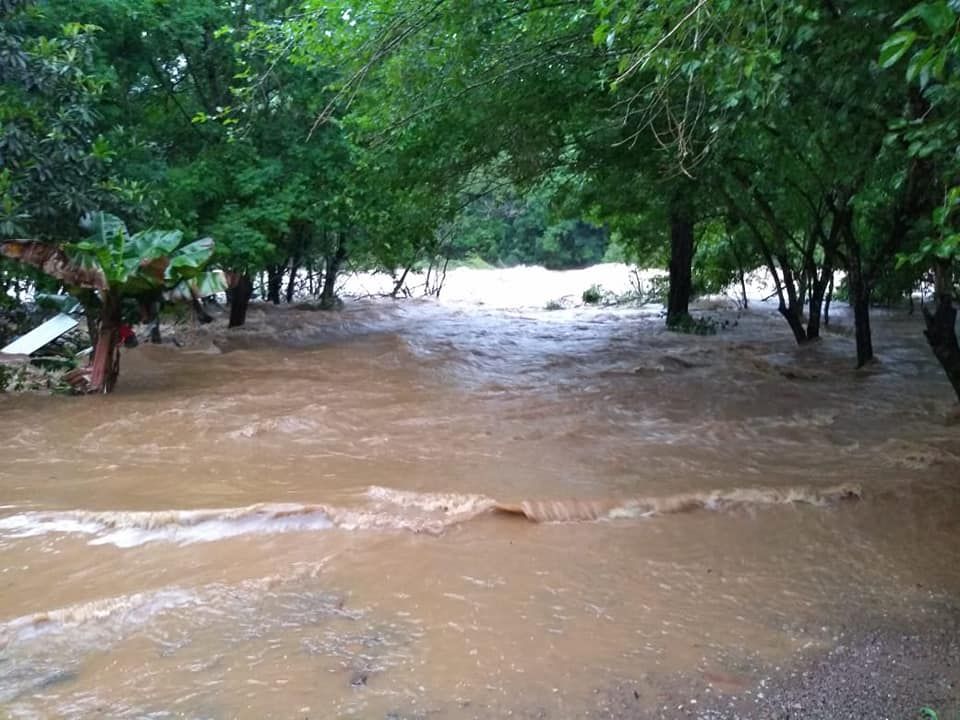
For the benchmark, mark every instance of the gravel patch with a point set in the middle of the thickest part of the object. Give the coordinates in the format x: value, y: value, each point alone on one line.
x: 886, y: 669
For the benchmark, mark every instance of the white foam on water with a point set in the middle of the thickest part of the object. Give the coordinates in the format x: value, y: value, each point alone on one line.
x: 130, y: 529
x: 447, y: 503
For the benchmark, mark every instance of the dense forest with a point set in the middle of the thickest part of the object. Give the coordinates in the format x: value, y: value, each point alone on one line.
x: 155, y: 149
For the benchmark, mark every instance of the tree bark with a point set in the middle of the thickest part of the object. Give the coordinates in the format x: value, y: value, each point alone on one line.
x: 398, y: 283
x: 818, y: 290
x: 328, y: 298
x: 860, y: 299
x: 291, y: 283
x: 274, y: 279
x: 240, y: 300
x: 150, y: 316
x: 941, y: 327
x: 106, y: 355
x: 681, y: 260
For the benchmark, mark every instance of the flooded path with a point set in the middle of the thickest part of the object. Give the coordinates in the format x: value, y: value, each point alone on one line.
x: 300, y: 518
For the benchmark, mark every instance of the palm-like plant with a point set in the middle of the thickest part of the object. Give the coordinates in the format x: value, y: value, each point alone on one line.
x: 115, y: 265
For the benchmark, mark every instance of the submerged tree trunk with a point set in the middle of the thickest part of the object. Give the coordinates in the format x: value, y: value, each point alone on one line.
x: 681, y: 260
x: 274, y: 280
x: 860, y: 299
x: 239, y: 300
x: 941, y: 331
x: 818, y: 290
x: 291, y: 283
x: 106, y: 354
x: 328, y: 298
x: 150, y: 316
x: 398, y: 282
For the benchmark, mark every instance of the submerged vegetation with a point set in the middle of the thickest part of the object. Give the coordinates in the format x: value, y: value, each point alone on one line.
x: 310, y: 138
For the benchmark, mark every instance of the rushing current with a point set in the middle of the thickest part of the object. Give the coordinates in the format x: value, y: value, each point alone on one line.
x: 463, y: 508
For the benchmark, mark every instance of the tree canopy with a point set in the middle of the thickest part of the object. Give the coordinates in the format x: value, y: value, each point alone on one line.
x: 713, y: 137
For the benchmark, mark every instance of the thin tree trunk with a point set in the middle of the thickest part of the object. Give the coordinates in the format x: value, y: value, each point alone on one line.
x: 240, y: 300
x: 818, y: 290
x: 106, y: 355
x: 398, y: 284
x: 826, y: 303
x: 328, y: 298
x: 291, y: 283
x: 742, y: 274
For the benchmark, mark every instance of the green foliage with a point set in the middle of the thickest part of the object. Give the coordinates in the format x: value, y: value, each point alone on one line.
x: 504, y: 229
x: 52, y: 160
x: 928, y: 44
x: 149, y: 260
x: 593, y: 295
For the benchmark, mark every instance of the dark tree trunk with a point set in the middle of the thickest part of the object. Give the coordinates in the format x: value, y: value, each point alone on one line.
x: 795, y: 321
x: 861, y: 319
x: 860, y: 299
x: 106, y: 355
x: 240, y: 300
x: 291, y: 283
x: 398, y: 283
x: 681, y: 261
x: 150, y: 316
x: 328, y: 298
x: 274, y: 280
x: 818, y: 290
x: 941, y: 330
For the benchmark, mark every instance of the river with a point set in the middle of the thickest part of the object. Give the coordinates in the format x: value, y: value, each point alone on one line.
x: 322, y: 514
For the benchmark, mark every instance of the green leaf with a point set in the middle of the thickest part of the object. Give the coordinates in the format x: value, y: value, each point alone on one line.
x: 149, y: 244
x: 190, y: 259
x: 937, y: 16
x: 210, y: 282
x: 896, y: 47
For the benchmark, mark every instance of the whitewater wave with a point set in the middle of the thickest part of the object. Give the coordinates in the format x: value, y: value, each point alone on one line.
x: 592, y: 510
x: 122, y: 611
x: 129, y: 529
x: 397, y: 510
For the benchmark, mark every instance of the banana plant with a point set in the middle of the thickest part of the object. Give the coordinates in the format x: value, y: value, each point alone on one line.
x: 115, y: 264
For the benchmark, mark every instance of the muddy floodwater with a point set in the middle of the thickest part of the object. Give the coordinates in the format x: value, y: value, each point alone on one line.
x: 305, y: 517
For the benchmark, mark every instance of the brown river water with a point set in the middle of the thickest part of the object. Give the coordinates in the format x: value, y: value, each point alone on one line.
x: 335, y: 515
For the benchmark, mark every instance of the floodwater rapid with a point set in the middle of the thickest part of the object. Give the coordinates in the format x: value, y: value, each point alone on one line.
x: 464, y: 510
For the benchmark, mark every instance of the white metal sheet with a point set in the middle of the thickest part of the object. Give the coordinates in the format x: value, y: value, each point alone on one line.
x: 40, y: 336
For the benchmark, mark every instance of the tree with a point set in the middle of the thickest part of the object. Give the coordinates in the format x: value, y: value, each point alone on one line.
x: 928, y: 41
x: 116, y: 265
